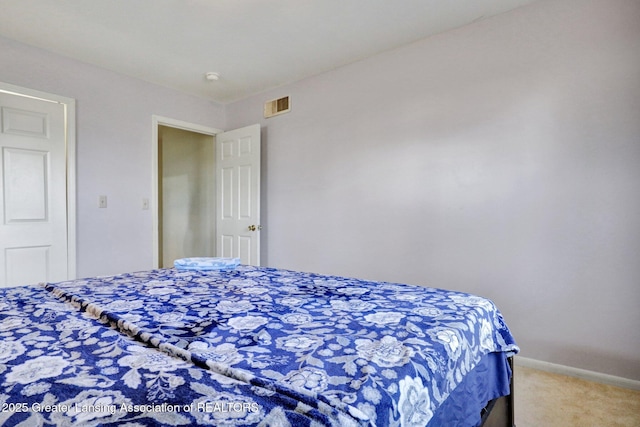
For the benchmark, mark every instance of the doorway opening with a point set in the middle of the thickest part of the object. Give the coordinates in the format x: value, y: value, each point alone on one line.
x: 184, y: 191
x: 186, y: 194
x: 218, y: 192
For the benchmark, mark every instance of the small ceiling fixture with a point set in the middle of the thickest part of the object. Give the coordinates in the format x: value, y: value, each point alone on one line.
x: 211, y: 76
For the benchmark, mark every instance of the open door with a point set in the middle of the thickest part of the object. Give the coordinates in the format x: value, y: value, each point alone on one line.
x: 238, y: 194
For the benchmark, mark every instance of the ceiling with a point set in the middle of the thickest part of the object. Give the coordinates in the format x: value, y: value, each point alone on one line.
x: 254, y: 45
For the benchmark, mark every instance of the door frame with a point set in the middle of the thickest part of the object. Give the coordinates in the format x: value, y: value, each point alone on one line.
x: 173, y: 123
x: 69, y: 106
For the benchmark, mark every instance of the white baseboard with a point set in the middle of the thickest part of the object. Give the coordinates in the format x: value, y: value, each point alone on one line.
x: 578, y: 373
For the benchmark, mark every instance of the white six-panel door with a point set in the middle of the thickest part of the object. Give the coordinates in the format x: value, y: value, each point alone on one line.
x: 33, y: 192
x: 238, y: 193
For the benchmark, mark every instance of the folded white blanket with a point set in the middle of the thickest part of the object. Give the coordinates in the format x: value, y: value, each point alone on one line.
x: 203, y: 263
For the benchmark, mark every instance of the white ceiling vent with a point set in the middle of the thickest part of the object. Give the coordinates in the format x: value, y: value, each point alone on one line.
x: 277, y: 106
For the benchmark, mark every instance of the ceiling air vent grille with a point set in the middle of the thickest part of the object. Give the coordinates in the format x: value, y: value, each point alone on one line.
x: 277, y: 106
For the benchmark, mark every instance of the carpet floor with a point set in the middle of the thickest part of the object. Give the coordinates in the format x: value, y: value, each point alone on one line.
x: 553, y: 400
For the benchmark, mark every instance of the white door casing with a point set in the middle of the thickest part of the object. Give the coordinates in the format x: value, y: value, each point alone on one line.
x: 238, y: 194
x: 34, y: 212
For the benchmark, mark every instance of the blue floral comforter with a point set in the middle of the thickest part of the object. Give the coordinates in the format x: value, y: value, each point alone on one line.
x: 286, y: 348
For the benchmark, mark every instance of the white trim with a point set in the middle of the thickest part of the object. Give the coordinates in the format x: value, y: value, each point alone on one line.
x: 165, y: 121
x: 179, y: 124
x: 578, y: 373
x: 70, y: 111
x: 69, y: 105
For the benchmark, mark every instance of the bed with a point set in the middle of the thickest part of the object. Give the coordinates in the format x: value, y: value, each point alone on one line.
x: 251, y: 346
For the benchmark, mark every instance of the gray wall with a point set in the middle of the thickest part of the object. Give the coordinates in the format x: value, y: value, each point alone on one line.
x: 114, y: 132
x: 502, y: 158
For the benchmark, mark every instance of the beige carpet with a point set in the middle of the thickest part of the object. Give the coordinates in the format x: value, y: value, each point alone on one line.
x: 543, y: 399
